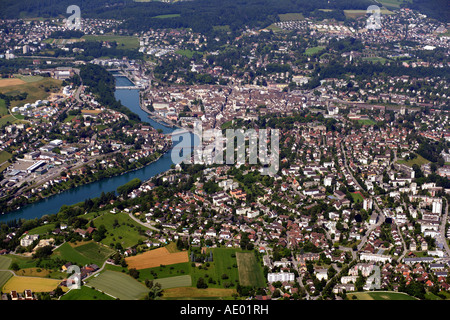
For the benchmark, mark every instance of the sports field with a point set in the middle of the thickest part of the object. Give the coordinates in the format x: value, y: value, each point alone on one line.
x: 34, y: 284
x: 118, y: 285
x: 250, y: 272
x: 155, y: 258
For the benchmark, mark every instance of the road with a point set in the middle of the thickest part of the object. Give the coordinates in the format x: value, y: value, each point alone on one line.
x: 147, y: 225
x: 442, y: 230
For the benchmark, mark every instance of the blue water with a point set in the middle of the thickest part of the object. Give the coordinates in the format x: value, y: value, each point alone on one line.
x: 51, y: 205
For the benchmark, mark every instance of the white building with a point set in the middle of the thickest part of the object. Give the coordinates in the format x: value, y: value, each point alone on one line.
x: 280, y: 276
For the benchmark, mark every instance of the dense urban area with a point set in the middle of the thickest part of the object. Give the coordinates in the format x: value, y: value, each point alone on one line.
x: 357, y: 210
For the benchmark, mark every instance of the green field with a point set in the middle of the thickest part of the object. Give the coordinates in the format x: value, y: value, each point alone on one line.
x: 353, y: 14
x: 174, y: 282
x: 3, y: 108
x: 419, y: 161
x: 84, y: 254
x: 4, y: 277
x: 6, y: 120
x: 85, y: 293
x: 291, y: 17
x: 5, y: 156
x: 367, y: 122
x: 173, y: 270
x: 357, y: 197
x: 313, y: 50
x: 126, y: 232
x: 186, y: 53
x: 29, y: 78
x: 274, y: 28
x: 4, y: 262
x: 394, y: 4
x: 44, y: 229
x: 250, y: 271
x: 381, y: 295
x: 22, y: 262
x: 125, y: 42
x: 119, y: 285
x: 165, y: 16
x: 375, y: 59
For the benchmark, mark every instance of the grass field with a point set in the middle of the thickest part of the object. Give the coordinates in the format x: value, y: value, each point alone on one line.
x: 165, y: 16
x: 367, y: 122
x: 274, y: 28
x: 8, y: 119
x: 126, y: 232
x: 83, y: 254
x: 357, y: 197
x: 119, y: 285
x: 155, y: 258
x: 5, y: 156
x: 4, y: 277
x: 353, y: 14
x: 185, y: 52
x: 37, y: 90
x: 42, y: 273
x: 4, y: 262
x: 375, y: 59
x: 41, y: 230
x: 395, y: 4
x: 85, y: 293
x: 35, y: 284
x: 313, y: 50
x: 419, y: 161
x: 192, y: 293
x: 10, y: 82
x: 250, y: 272
x: 125, y: 42
x: 380, y: 295
x: 3, y: 108
x: 291, y: 17
x: 23, y: 262
x: 28, y: 79
x: 175, y: 282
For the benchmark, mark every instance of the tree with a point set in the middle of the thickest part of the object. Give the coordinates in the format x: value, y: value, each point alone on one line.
x: 201, y: 284
x: 134, y: 273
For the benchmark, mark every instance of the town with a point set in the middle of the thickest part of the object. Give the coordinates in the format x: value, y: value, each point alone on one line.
x: 358, y: 209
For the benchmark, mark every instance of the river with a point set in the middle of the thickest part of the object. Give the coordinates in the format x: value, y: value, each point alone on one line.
x: 52, y: 204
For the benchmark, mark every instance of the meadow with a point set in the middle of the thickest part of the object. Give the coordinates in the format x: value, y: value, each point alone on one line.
x: 85, y: 293
x: 118, y: 285
x: 419, y: 161
x: 250, y: 272
x: 291, y: 16
x: 4, y: 277
x: 125, y: 42
x: 125, y: 231
x: 83, y: 253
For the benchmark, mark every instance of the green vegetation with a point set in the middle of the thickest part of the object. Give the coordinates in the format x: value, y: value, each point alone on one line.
x: 367, y: 122
x: 250, y: 271
x: 375, y: 59
x: 5, y: 262
x: 353, y: 14
x: 88, y: 253
x: 121, y: 230
x: 119, y: 285
x: 125, y: 42
x: 44, y: 229
x: 85, y: 293
x: 314, y: 50
x: 4, y: 277
x: 380, y: 296
x: 3, y: 108
x: 175, y: 282
x: 165, y: 16
x: 187, y: 53
x: 419, y: 160
x: 291, y: 17
x: 4, y: 156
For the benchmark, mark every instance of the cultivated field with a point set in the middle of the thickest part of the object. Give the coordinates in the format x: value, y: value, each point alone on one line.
x: 85, y: 293
x: 86, y: 253
x: 11, y: 82
x: 291, y: 17
x: 155, y: 258
x: 4, y: 277
x: 191, y: 292
x: 124, y: 42
x: 174, y: 282
x: 250, y: 272
x: 381, y: 295
x: 34, y: 284
x: 118, y: 285
x: 353, y: 14
x: 4, y: 262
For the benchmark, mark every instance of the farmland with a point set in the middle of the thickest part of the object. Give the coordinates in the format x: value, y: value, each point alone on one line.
x: 119, y: 285
x: 34, y: 284
x: 4, y: 277
x: 85, y: 293
x: 154, y: 258
x: 381, y: 295
x: 86, y: 253
x: 250, y: 272
x: 4, y: 262
x: 174, y: 282
x: 291, y: 17
x: 313, y: 50
x: 125, y: 42
x: 353, y: 14
x: 192, y: 293
x: 37, y: 90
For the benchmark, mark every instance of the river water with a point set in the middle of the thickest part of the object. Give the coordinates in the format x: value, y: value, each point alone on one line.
x: 52, y: 204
